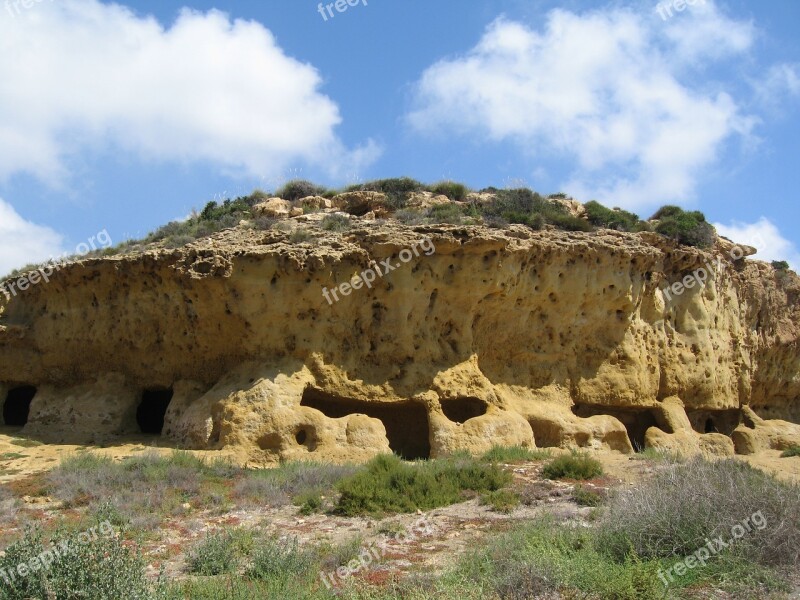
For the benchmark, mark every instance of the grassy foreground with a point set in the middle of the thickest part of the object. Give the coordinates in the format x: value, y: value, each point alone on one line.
x: 627, y: 550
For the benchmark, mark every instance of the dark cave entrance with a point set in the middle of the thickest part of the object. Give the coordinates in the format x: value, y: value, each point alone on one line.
x: 715, y: 421
x: 460, y: 410
x: 17, y: 405
x: 406, y: 422
x: 636, y: 420
x: 152, y: 409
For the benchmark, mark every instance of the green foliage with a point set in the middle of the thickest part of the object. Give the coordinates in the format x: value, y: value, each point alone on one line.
x: 585, y: 497
x: 299, y: 236
x: 395, y: 186
x: 335, y: 223
x: 790, y: 452
x: 282, y: 561
x: 688, y: 228
x: 446, y: 213
x: 780, y: 265
x: 572, y: 466
x: 511, y: 454
x: 309, y: 502
x: 529, y: 208
x: 503, y: 501
x: 543, y: 560
x: 102, y: 569
x: 215, y: 554
x: 451, y: 189
x: 618, y: 219
x: 672, y: 513
x: 299, y: 188
x: 387, y: 484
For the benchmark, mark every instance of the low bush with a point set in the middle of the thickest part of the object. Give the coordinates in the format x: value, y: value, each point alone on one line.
x: 572, y: 466
x: 688, y: 228
x: 780, y: 265
x: 446, y: 213
x: 387, y: 484
x: 503, y: 501
x: 683, y: 505
x: 544, y: 560
x: 618, y: 219
x: 282, y: 561
x: 530, y: 208
x: 335, y: 223
x: 790, y: 452
x: 103, y: 568
x: 299, y: 188
x: 583, y: 496
x: 511, y: 454
x: 451, y: 189
x: 215, y: 554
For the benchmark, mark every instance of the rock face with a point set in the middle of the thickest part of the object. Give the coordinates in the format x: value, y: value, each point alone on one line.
x: 512, y: 337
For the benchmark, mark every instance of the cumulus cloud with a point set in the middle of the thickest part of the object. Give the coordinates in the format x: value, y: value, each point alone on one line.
x: 79, y: 74
x: 613, y: 92
x: 765, y: 237
x: 23, y: 242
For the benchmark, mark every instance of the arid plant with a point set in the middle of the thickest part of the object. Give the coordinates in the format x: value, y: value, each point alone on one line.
x: 572, y: 466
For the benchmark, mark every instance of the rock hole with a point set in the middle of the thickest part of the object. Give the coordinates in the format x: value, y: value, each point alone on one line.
x: 17, y: 405
x: 460, y: 410
x: 636, y: 420
x: 714, y: 421
x: 152, y: 409
x: 406, y: 422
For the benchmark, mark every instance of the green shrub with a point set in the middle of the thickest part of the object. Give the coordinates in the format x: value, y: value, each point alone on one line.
x: 309, y: 502
x: 446, y: 213
x: 282, y: 561
x: 298, y: 236
x: 395, y: 186
x: 282, y: 485
x: 335, y: 223
x: 214, y: 555
x: 387, y: 484
x: 572, y: 466
x: 451, y: 189
x: 791, y: 451
x: 682, y: 505
x: 511, y: 454
x: 299, y: 188
x: 780, y: 265
x: 102, y: 569
x: 501, y: 500
x: 688, y: 228
x: 529, y: 208
x: 546, y: 560
x: 586, y: 497
x: 618, y: 219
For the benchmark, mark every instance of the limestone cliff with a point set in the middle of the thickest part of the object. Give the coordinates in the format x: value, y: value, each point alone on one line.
x: 498, y: 336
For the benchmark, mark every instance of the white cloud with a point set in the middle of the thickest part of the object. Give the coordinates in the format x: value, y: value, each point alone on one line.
x: 79, y: 74
x: 23, y: 242
x: 765, y: 237
x: 779, y: 84
x: 607, y: 91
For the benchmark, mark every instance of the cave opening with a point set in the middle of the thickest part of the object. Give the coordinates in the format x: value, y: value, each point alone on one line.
x: 17, y: 405
x: 636, y: 420
x: 152, y: 409
x: 722, y: 421
x: 406, y: 422
x: 462, y: 409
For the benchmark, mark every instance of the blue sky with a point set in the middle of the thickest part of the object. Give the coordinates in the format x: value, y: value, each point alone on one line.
x: 121, y: 117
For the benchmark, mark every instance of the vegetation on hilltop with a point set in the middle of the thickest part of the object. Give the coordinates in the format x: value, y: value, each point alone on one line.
x: 508, y: 206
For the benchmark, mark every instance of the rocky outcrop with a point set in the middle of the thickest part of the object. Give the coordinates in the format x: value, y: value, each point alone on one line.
x: 533, y: 338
